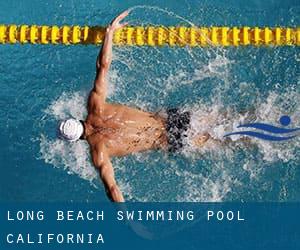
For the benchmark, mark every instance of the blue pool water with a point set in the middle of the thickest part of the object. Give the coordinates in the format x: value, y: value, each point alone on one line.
x: 42, y: 84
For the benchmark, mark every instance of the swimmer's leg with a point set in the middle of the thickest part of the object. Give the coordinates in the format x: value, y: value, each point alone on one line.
x: 200, y: 140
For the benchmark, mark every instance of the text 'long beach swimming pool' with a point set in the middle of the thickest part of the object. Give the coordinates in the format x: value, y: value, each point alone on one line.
x: 42, y: 84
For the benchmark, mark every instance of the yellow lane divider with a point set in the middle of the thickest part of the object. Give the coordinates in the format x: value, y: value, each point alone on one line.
x: 152, y: 35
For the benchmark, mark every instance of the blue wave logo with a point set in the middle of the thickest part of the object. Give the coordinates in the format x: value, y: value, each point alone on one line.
x: 279, y: 133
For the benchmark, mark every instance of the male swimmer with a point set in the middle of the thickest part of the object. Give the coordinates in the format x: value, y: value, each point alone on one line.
x: 117, y: 130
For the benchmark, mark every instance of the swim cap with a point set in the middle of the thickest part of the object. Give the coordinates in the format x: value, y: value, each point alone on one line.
x: 70, y: 129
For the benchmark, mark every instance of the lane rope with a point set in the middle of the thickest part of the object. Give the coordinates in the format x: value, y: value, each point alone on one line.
x: 152, y: 35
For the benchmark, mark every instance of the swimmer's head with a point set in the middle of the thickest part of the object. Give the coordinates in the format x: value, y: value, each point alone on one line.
x: 70, y: 130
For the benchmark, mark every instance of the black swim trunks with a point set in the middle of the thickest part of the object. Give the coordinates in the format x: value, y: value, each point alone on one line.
x: 177, y: 125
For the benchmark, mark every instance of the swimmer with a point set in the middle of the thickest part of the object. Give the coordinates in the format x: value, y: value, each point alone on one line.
x: 114, y: 130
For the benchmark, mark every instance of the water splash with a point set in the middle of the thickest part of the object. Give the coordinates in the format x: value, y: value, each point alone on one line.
x: 74, y: 158
x: 214, y: 84
x: 192, y: 185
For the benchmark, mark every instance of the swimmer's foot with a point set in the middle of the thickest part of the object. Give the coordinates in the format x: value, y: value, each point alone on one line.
x: 200, y: 140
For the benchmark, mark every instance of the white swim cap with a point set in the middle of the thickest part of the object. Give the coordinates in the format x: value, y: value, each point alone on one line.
x: 70, y: 130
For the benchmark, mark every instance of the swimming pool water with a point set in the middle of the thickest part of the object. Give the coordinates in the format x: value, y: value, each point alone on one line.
x: 42, y: 84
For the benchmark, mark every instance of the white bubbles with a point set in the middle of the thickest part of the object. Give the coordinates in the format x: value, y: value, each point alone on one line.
x: 271, y: 110
x: 218, y: 120
x: 68, y: 105
x: 72, y: 157
x: 213, y: 188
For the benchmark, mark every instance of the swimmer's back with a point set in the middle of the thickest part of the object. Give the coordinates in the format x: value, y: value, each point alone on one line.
x: 126, y: 130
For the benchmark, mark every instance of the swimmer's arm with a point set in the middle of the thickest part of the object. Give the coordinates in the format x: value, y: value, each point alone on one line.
x: 103, y: 164
x: 102, y: 65
x: 105, y: 56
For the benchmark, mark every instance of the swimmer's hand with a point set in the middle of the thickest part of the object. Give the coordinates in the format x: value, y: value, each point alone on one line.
x: 115, y: 24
